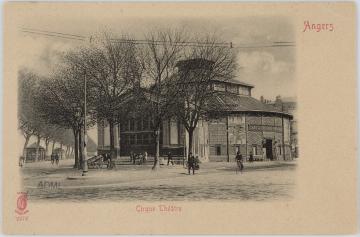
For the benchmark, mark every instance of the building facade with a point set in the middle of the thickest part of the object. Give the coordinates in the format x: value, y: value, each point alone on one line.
x: 287, y: 105
x: 241, y: 123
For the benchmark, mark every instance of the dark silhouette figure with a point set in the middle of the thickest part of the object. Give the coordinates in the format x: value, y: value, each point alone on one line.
x: 52, y: 158
x: 251, y: 159
x: 239, y: 161
x: 191, y: 163
x: 170, y: 159
x: 57, y: 159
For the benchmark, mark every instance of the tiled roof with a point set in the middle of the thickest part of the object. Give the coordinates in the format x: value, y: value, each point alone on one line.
x: 238, y: 103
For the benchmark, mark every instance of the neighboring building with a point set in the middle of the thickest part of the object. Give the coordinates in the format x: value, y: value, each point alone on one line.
x: 288, y: 105
x: 240, y: 123
x: 31, y: 153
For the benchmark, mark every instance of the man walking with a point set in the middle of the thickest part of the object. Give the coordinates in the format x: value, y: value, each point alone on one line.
x: 52, y: 158
x: 191, y: 163
x: 239, y: 161
x: 57, y: 159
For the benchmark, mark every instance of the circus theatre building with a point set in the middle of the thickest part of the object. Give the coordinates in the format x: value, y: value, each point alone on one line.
x: 246, y: 125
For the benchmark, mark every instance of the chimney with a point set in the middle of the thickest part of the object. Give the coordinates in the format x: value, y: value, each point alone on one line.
x: 278, y: 98
x: 262, y: 99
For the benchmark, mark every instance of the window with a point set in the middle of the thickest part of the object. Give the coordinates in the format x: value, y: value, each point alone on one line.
x: 237, y: 119
x: 218, y: 150
x: 127, y: 139
x: 232, y: 89
x: 244, y: 90
x: 127, y: 125
x: 132, y: 125
x: 124, y: 126
x: 145, y: 124
x: 138, y: 125
x: 165, y: 132
x: 174, y: 134
x: 145, y: 138
x: 132, y: 139
x: 150, y: 138
x: 219, y: 87
x: 140, y: 139
x: 254, y: 150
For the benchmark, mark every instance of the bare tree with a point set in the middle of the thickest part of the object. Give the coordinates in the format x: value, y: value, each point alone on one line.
x: 113, y: 69
x: 163, y: 50
x: 203, y: 63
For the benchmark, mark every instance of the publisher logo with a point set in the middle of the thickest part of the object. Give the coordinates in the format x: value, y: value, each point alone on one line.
x: 21, y: 204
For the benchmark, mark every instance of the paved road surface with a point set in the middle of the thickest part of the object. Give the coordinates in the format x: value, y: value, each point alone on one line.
x: 215, y: 181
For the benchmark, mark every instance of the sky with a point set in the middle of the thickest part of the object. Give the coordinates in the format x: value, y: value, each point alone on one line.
x: 270, y: 70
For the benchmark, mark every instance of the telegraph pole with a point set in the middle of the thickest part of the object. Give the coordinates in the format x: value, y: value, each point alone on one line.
x: 85, y: 165
x: 227, y: 138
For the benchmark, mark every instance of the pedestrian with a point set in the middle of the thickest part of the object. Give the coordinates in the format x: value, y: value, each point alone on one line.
x: 21, y: 161
x: 239, y: 161
x: 251, y: 159
x: 131, y: 156
x: 170, y: 159
x: 140, y: 158
x: 109, y: 163
x: 145, y: 157
x: 52, y: 158
x: 57, y: 158
x: 191, y: 163
x: 136, y: 157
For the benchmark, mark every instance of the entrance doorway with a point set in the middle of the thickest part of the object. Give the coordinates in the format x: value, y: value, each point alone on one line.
x: 268, y: 147
x: 237, y: 149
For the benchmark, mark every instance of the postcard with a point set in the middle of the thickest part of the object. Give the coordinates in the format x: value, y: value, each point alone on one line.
x: 179, y: 118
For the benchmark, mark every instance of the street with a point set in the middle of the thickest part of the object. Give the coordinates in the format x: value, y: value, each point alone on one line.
x: 214, y: 181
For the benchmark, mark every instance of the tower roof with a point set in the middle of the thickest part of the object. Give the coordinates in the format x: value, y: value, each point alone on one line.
x: 194, y: 63
x: 234, y: 81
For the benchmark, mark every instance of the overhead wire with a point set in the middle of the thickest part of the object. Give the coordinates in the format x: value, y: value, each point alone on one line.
x: 158, y: 42
x: 52, y: 32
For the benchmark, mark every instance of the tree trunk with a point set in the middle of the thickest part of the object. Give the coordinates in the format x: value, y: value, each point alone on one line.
x: 81, y: 149
x: 53, y: 146
x: 61, y: 151
x: 157, y: 150
x: 191, y: 136
x: 76, y: 149
x: 47, y: 141
x: 27, y: 138
x: 37, y: 148
x: 67, y: 152
x: 112, y: 139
